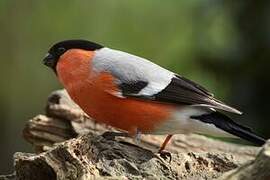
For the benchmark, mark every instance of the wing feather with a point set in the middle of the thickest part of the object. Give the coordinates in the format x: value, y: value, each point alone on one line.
x: 139, y: 78
x: 183, y: 91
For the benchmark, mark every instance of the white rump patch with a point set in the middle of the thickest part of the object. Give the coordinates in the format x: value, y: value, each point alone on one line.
x: 181, y: 123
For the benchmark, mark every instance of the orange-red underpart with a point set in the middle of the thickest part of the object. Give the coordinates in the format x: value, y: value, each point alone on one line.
x: 96, y: 94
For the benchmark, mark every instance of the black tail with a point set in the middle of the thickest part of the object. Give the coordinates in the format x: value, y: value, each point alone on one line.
x: 226, y: 124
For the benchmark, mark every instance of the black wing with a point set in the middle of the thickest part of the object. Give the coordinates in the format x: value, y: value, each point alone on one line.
x: 179, y: 91
x: 182, y: 90
x: 133, y: 87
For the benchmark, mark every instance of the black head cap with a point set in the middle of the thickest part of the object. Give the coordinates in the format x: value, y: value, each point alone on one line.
x: 60, y: 48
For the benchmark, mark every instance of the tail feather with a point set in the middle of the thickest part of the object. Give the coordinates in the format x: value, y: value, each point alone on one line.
x: 227, y: 124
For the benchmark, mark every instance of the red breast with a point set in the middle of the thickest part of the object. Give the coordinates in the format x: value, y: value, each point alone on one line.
x: 94, y: 93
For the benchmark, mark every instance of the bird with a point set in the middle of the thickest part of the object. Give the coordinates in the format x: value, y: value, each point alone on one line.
x: 137, y: 96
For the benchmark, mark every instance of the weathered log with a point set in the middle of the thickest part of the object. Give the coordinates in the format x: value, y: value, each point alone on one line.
x: 70, y: 145
x: 259, y: 168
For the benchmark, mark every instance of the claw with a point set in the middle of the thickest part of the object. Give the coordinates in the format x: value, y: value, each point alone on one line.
x: 110, y: 135
x: 165, y: 155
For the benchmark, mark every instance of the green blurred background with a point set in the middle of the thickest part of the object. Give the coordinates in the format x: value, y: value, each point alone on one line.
x: 222, y: 44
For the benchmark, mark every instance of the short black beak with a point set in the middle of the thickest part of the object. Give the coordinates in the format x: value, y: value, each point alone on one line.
x: 49, y: 60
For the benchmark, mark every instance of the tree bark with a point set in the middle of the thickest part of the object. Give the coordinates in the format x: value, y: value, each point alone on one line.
x: 70, y: 145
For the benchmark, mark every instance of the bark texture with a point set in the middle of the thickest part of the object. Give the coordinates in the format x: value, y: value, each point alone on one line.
x: 70, y: 145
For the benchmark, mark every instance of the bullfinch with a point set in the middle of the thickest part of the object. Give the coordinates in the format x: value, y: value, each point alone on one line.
x: 135, y: 95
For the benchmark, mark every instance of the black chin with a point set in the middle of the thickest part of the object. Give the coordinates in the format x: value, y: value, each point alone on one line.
x: 50, y: 61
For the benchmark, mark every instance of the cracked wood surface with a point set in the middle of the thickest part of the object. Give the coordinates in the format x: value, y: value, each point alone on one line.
x: 70, y: 145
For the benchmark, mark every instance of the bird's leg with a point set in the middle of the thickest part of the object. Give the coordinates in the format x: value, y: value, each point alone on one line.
x: 138, y: 136
x: 110, y: 135
x: 165, y: 154
x: 165, y: 143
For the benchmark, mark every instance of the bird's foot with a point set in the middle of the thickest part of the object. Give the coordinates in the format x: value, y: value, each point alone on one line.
x: 165, y: 155
x: 110, y: 135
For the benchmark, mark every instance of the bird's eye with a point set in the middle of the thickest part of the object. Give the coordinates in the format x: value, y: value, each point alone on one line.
x: 61, y: 50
